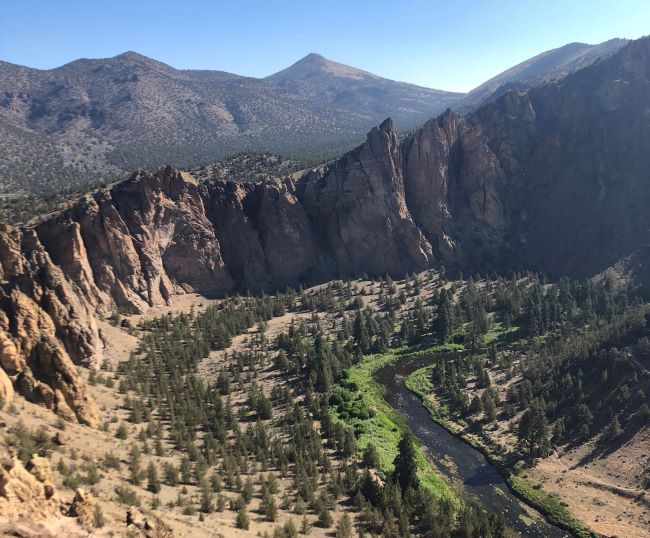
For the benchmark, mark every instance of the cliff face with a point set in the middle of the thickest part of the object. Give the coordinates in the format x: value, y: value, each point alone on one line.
x: 454, y: 189
x: 128, y: 247
x: 138, y: 242
x: 555, y: 179
x: 359, y: 209
x: 584, y: 180
x: 264, y: 233
x: 45, y: 322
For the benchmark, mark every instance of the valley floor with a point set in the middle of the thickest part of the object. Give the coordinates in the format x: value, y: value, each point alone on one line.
x: 603, y: 491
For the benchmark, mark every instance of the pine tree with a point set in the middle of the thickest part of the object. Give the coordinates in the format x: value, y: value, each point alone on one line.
x: 476, y: 407
x: 533, y: 431
x: 135, y: 460
x: 614, y: 429
x: 489, y: 407
x: 370, y: 456
x: 159, y: 450
x: 344, y: 527
x: 406, y: 464
x: 207, y: 505
x: 263, y: 407
x: 290, y: 530
x: 122, y: 432
x: 185, y: 470
x: 304, y: 526
x: 322, y: 364
x: 269, y: 508
x: 98, y: 517
x: 360, y: 333
x: 324, y: 516
x: 349, y: 443
x: 247, y: 491
x: 444, y: 324
x: 153, y: 482
x: 171, y: 474
x: 242, y: 521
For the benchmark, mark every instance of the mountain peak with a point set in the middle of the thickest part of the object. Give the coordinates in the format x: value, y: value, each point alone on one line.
x: 314, y: 56
x: 547, y: 66
x: 128, y: 60
x: 133, y: 56
x: 316, y: 65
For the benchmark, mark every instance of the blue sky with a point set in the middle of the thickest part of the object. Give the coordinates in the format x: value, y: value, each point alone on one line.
x: 453, y: 45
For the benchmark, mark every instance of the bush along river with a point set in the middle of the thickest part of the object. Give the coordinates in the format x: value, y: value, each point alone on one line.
x: 481, y: 482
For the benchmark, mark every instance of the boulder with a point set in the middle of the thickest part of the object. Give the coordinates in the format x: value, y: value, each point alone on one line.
x: 82, y: 507
x: 147, y: 525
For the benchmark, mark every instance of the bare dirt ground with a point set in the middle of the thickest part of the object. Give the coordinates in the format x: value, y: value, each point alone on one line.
x: 604, y: 491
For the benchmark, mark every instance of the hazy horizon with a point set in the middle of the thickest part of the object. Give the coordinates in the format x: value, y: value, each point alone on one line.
x: 432, y: 44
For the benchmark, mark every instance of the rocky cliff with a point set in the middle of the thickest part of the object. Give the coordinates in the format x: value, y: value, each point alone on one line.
x: 45, y: 322
x: 555, y: 179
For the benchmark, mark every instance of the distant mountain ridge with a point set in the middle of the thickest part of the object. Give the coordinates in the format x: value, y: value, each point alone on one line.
x: 94, y: 117
x: 545, y: 67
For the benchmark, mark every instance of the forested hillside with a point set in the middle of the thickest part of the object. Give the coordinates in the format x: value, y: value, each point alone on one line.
x: 92, y: 121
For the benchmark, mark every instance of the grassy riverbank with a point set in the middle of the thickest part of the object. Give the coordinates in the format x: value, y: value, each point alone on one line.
x: 364, y: 409
x: 533, y: 494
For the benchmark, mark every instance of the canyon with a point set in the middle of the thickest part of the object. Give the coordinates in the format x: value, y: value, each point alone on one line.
x: 552, y: 179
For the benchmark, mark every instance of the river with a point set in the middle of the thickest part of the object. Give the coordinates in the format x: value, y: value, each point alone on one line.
x: 458, y: 461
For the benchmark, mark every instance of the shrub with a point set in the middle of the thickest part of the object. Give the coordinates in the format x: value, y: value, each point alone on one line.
x: 98, y: 517
x: 127, y: 496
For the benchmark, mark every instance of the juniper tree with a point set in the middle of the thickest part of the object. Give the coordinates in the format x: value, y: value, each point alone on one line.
x: 242, y: 521
x: 153, y: 482
x: 268, y: 506
x: 405, y: 463
x: 344, y: 527
x: 533, y: 431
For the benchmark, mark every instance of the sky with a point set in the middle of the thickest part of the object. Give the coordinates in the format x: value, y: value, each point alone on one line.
x: 450, y: 45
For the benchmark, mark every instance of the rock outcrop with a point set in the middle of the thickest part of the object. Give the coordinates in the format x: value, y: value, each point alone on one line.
x: 264, y: 233
x: 554, y: 179
x: 24, y: 493
x: 81, y: 507
x: 40, y: 468
x: 359, y: 209
x: 45, y: 323
x: 6, y: 388
x: 30, y: 506
x: 146, y: 525
x: 133, y: 245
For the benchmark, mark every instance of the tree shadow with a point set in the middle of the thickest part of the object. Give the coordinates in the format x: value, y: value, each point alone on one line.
x: 604, y: 448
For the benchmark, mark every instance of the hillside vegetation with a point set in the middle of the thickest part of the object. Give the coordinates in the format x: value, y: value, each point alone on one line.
x: 94, y: 120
